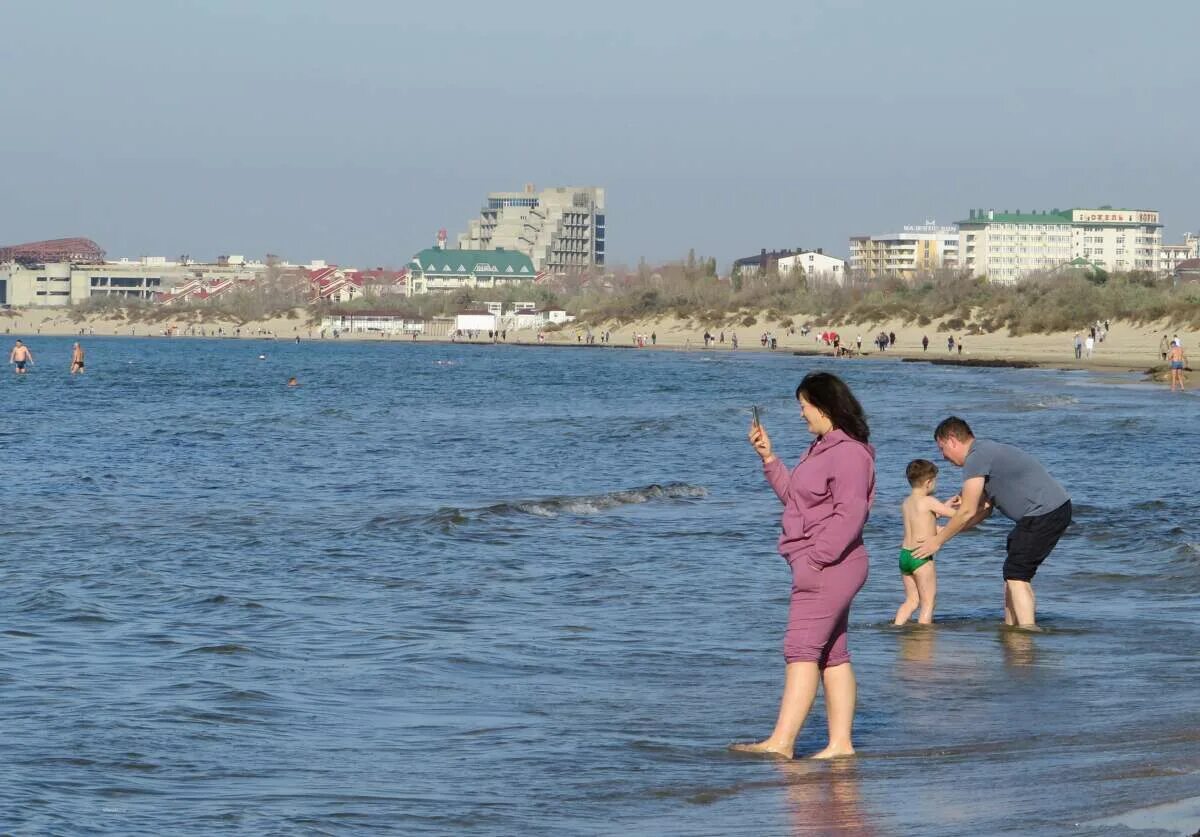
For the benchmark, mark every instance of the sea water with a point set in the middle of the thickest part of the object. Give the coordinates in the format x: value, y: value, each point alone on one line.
x: 528, y: 590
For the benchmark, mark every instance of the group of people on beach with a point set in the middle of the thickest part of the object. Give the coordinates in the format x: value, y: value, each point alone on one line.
x: 827, y: 498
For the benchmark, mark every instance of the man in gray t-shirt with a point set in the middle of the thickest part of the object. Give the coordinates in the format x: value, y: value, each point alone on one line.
x: 1007, y: 478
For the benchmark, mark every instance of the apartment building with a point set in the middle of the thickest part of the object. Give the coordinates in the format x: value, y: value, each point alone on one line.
x: 816, y: 264
x: 1173, y: 255
x: 917, y: 248
x: 562, y: 229
x: 1005, y: 246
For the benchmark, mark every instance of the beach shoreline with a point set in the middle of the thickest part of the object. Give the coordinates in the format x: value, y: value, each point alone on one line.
x: 1129, y: 347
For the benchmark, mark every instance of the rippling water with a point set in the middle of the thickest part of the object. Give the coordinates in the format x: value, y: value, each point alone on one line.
x: 454, y: 589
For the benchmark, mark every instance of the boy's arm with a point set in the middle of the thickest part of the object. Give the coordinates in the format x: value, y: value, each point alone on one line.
x: 939, y: 508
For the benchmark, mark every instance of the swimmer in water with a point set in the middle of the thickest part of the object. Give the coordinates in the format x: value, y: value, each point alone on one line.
x: 292, y: 382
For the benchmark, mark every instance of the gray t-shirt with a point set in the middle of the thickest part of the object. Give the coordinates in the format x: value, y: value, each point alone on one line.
x: 1015, y: 481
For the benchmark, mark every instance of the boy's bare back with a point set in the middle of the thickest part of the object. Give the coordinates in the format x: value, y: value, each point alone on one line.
x: 920, y: 519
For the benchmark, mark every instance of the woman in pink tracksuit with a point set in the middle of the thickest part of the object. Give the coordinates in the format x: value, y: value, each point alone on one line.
x: 826, y: 498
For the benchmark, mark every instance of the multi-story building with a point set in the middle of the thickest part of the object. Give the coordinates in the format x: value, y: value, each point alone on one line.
x: 918, y: 248
x: 815, y: 264
x: 29, y: 282
x: 1173, y: 255
x: 1005, y: 246
x: 437, y: 269
x: 33, y: 284
x: 562, y: 230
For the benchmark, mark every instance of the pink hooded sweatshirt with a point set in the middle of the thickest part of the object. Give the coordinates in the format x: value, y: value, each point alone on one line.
x: 826, y: 499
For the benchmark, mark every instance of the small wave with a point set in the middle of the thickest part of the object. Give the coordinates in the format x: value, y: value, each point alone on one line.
x: 227, y: 648
x: 1045, y: 402
x: 448, y: 518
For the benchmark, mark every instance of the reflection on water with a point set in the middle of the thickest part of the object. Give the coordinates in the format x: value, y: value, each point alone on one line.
x: 824, y: 798
x: 1020, y: 647
x: 917, y: 644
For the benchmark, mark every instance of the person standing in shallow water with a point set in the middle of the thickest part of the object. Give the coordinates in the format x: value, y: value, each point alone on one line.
x: 20, y: 357
x: 1006, y: 477
x: 826, y: 499
x: 1176, y: 361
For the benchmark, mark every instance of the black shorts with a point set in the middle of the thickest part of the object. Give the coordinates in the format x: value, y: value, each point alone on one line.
x: 1031, y: 540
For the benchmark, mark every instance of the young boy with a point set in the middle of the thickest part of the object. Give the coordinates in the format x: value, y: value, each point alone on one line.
x: 921, y: 510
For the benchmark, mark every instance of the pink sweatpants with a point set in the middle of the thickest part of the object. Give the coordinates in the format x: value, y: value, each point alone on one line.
x: 820, y: 610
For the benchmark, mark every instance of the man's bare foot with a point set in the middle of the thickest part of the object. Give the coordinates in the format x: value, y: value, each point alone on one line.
x: 832, y: 752
x: 766, y: 748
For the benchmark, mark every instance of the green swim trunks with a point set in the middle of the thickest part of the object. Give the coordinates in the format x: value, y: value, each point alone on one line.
x: 908, y: 563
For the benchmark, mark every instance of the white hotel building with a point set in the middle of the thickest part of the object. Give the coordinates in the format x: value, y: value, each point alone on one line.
x: 918, y: 248
x: 1004, y: 246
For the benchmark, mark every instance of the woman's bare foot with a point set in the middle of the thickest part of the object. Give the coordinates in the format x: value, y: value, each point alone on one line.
x: 766, y: 748
x: 832, y: 752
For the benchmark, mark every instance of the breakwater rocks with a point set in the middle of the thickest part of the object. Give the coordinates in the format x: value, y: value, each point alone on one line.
x: 1161, y: 373
x: 989, y: 363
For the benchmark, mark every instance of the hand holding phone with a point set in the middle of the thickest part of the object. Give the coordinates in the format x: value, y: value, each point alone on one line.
x: 754, y: 415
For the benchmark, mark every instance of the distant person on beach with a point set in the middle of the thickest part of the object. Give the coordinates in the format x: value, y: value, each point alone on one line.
x: 20, y: 357
x: 920, y: 511
x: 1078, y: 345
x: 1089, y: 346
x: 925, y: 343
x: 891, y: 338
x: 826, y: 500
x: 960, y: 346
x: 1177, y: 361
x: 1163, y: 346
x: 1003, y: 476
x: 77, y: 359
x: 950, y: 344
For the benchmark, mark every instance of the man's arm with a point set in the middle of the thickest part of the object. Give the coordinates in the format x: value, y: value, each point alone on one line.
x: 970, y: 511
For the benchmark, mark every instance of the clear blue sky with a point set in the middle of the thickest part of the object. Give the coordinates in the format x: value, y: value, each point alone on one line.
x: 353, y: 130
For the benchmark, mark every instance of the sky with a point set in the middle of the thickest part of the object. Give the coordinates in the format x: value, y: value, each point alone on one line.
x: 352, y: 131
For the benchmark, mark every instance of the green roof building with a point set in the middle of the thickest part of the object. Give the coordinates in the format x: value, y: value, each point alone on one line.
x: 437, y: 269
x: 1005, y: 246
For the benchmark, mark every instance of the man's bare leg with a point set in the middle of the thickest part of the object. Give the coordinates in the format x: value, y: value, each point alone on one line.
x: 799, y: 692
x: 841, y: 694
x: 1020, y: 603
x: 1009, y: 617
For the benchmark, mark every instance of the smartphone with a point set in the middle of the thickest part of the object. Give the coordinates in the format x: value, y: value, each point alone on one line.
x: 754, y: 415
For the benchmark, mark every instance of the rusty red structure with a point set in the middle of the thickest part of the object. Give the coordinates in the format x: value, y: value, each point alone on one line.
x: 55, y: 250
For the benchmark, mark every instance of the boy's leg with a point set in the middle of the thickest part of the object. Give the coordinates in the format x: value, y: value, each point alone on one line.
x: 925, y: 578
x: 911, y: 600
x: 1009, y: 618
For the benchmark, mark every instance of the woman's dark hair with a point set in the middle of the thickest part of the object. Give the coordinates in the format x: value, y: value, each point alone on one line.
x: 829, y: 394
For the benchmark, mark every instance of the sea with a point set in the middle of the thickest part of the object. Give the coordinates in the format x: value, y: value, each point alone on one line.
x: 525, y: 590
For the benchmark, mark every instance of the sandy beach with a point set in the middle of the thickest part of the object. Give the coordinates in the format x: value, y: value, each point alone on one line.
x: 1127, y: 347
